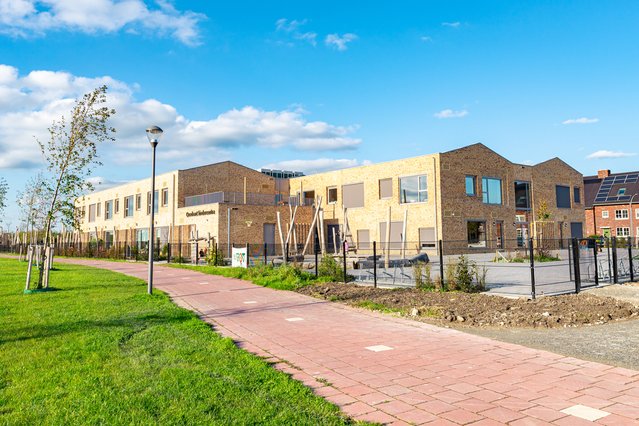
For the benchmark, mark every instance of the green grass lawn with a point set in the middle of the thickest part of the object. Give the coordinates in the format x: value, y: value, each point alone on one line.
x: 99, y: 350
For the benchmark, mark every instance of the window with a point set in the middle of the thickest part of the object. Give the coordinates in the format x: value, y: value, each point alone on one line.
x: 108, y: 210
x: 576, y: 195
x: 98, y: 209
x: 353, y: 195
x: 138, y: 201
x: 117, y: 206
x: 363, y: 239
x: 91, y: 212
x: 636, y: 213
x: 385, y: 188
x: 165, y: 197
x: 331, y: 194
x: 604, y: 214
x: 142, y: 235
x: 491, y: 190
x: 621, y: 214
x: 522, y: 195
x: 621, y: 191
x: 563, y: 196
x: 128, y: 206
x: 156, y: 202
x: 413, y: 189
x: 471, y: 184
x: 308, y: 198
x: 623, y: 232
x: 476, y: 233
x: 427, y: 237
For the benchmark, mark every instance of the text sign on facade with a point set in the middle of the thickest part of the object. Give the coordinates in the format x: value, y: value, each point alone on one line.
x: 239, y: 258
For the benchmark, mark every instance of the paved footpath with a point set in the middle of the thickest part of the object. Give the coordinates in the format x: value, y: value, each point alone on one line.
x: 392, y: 370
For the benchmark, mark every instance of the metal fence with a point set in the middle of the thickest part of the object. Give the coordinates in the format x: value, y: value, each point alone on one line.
x: 529, y: 267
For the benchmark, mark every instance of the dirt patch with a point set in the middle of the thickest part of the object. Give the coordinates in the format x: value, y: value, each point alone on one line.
x: 480, y: 310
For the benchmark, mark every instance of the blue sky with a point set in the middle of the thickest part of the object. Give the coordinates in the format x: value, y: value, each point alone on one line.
x: 318, y: 85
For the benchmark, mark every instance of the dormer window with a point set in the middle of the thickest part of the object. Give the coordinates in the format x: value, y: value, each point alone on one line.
x: 621, y: 192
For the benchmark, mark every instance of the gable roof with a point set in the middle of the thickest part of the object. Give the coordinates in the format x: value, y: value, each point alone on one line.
x: 616, y: 188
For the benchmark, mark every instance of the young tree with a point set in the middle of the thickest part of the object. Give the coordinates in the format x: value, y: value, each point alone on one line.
x: 33, y: 205
x: 4, y: 188
x: 70, y: 155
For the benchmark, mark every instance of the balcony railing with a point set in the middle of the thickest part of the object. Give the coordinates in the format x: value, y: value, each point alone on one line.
x: 253, y: 199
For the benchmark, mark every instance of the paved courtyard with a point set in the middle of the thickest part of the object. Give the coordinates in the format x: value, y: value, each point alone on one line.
x: 397, y: 371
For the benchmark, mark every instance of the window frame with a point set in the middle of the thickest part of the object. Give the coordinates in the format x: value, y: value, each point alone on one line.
x: 474, y: 185
x: 605, y: 214
x: 129, y: 206
x: 569, y: 206
x: 527, y: 195
x: 576, y: 195
x: 619, y: 214
x: 138, y: 201
x: 419, y: 189
x: 165, y: 197
x: 622, y: 234
x: 328, y: 194
x: 485, y: 193
x: 108, y: 210
x: 481, y: 243
x: 379, y: 188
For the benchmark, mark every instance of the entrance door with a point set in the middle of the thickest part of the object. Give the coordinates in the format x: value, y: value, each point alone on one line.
x: 269, y: 238
x: 605, y: 232
x: 499, y: 234
x: 333, y: 230
x: 576, y: 230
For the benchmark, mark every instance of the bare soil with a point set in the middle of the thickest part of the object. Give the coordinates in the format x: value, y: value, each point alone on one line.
x: 480, y: 310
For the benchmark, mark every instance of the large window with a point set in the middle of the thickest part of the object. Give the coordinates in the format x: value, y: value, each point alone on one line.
x: 138, y: 202
x: 385, y: 188
x: 471, y: 185
x: 563, y: 196
x: 522, y: 195
x: 476, y: 233
x: 117, y: 206
x: 621, y: 214
x: 576, y: 195
x: 331, y: 195
x: 108, y: 210
x: 91, y: 212
x: 128, y: 206
x: 491, y: 190
x: 623, y: 232
x: 156, y: 202
x: 413, y: 189
x: 98, y: 209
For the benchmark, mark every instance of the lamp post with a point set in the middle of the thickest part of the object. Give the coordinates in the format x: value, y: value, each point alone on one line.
x: 228, y: 228
x: 153, y: 133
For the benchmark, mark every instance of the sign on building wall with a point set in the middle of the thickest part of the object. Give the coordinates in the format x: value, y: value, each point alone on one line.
x: 239, y: 257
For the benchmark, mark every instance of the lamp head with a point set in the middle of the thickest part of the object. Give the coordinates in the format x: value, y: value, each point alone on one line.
x: 154, y: 133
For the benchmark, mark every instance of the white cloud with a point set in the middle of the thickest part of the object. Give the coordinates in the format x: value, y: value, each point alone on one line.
x: 293, y: 28
x: 455, y: 24
x: 449, y: 113
x: 605, y: 154
x: 101, y: 183
x: 316, y: 165
x: 340, y: 42
x: 426, y: 39
x: 582, y: 120
x: 23, y: 18
x: 30, y: 103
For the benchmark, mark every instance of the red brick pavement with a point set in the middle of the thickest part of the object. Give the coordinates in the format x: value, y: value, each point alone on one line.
x: 431, y: 375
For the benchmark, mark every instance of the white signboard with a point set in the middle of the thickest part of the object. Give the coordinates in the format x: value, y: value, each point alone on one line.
x: 239, y: 258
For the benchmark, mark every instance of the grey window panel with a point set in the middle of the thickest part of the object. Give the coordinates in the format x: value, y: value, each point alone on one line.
x: 386, y: 188
x: 363, y: 239
x: 395, y: 235
x: 427, y: 237
x: 353, y: 195
x: 563, y: 196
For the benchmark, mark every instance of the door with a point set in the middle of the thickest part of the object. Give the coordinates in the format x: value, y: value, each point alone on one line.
x: 269, y: 238
x: 605, y: 232
x: 333, y: 238
x: 576, y: 229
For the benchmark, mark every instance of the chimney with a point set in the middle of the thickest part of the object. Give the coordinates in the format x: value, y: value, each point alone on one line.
x: 603, y: 174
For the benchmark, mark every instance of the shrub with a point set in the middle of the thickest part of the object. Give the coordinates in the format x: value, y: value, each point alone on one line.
x: 423, y: 280
x: 329, y: 269
x: 464, y: 274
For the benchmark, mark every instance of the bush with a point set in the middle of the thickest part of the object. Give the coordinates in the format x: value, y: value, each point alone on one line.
x: 329, y: 269
x: 423, y: 280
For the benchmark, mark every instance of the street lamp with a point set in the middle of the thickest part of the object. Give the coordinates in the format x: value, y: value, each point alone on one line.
x: 153, y: 133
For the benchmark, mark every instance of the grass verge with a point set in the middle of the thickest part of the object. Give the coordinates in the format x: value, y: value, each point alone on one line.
x: 100, y: 351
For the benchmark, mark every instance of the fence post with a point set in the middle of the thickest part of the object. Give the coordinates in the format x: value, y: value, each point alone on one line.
x: 344, y: 255
x: 440, y: 246
x: 265, y: 254
x: 248, y: 257
x: 575, y: 257
x: 608, y: 244
x: 615, y: 271
x: 533, y: 291
x: 632, y: 272
x: 570, y: 264
x: 315, y: 250
x: 168, y: 252
x: 375, y: 264
x: 594, y: 251
x: 286, y: 255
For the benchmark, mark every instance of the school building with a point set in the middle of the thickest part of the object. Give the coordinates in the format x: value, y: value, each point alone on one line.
x: 472, y: 198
